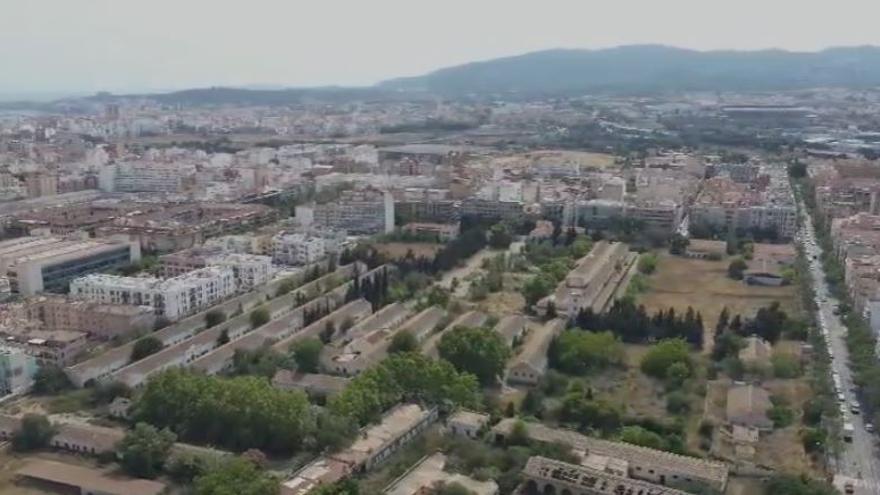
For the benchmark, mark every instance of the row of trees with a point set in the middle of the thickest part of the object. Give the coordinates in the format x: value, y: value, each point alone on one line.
x: 633, y: 324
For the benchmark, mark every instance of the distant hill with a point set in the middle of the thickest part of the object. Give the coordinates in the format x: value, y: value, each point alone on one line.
x: 652, y: 68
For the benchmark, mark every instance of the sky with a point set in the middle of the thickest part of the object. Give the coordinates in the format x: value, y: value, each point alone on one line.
x: 83, y: 46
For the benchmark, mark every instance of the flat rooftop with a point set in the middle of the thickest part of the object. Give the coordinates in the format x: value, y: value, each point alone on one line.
x: 88, y: 479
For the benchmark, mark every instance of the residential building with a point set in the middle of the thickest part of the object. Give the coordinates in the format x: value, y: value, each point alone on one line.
x: 302, y: 248
x: 37, y: 264
x: 367, y: 211
x: 366, y: 343
x: 56, y: 347
x: 101, y: 321
x: 173, y: 298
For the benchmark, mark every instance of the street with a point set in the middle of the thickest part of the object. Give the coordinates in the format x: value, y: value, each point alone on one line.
x: 858, y: 459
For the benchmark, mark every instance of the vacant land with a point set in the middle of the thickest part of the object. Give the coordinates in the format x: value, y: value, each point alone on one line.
x: 396, y: 250
x: 681, y: 282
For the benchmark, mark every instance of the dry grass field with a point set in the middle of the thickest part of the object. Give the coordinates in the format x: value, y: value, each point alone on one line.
x: 395, y: 250
x: 681, y: 282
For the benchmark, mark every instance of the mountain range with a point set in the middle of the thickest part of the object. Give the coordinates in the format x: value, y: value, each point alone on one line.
x: 633, y: 69
x: 653, y: 68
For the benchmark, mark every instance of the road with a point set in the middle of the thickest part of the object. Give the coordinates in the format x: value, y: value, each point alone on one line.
x: 859, y: 459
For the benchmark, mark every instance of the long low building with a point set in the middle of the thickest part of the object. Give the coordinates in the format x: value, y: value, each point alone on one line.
x: 69, y: 478
x: 529, y: 365
x: 548, y: 476
x: 100, y: 367
x: 373, y: 446
x: 430, y: 473
x: 352, y: 312
x: 642, y: 463
x: 368, y: 344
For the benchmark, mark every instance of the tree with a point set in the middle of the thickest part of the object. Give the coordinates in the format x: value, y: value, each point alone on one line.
x: 737, y: 268
x: 403, y: 341
x: 677, y: 373
x: 647, y: 263
x: 224, y: 412
x: 678, y: 244
x: 579, y: 352
x: 663, y: 355
x: 499, y: 236
x: 145, y: 449
x: 50, y: 379
x: 405, y: 375
x: 307, y: 354
x: 479, y: 351
x: 536, y: 288
x: 184, y: 466
x: 144, y: 347
x: 35, y: 433
x: 259, y: 317
x: 223, y: 338
x: 637, y: 435
x: 214, y: 318
x: 236, y: 477
x: 285, y: 287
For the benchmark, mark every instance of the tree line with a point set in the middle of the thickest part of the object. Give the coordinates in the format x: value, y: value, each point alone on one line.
x: 634, y: 325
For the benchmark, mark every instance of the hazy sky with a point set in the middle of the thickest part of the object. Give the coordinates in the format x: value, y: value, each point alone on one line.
x: 135, y: 45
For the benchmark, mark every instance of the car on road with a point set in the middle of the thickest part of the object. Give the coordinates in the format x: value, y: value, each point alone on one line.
x: 869, y: 427
x: 854, y: 407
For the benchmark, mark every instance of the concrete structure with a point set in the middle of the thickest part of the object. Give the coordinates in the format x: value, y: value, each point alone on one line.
x: 37, y: 264
x: 602, y: 477
x: 68, y: 478
x: 366, y: 211
x: 530, y: 364
x: 173, y: 298
x: 429, y: 474
x: 300, y: 248
x: 635, y: 462
x: 17, y: 370
x: 373, y: 445
x: 467, y: 424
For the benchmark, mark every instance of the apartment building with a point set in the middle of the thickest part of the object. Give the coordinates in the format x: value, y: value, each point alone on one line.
x: 55, y: 347
x: 37, y: 264
x: 442, y: 231
x: 173, y: 298
x: 302, y: 248
x: 144, y: 177
x: 100, y: 321
x: 367, y: 212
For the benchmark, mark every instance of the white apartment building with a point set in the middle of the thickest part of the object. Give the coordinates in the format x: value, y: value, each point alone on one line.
x: 360, y: 212
x: 173, y: 298
x: 249, y: 270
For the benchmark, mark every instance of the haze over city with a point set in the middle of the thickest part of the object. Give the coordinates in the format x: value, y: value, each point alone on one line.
x: 58, y: 46
x: 439, y: 248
